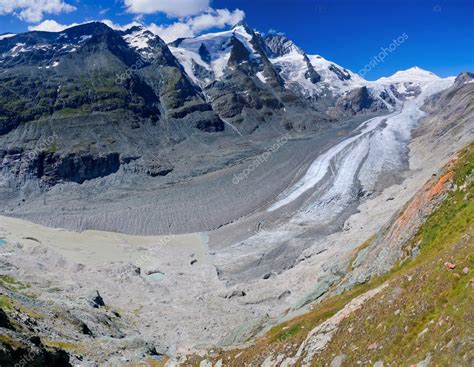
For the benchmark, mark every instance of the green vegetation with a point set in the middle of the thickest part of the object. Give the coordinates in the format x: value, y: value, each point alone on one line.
x: 283, y: 333
x: 5, y: 303
x: 7, y: 340
x: 67, y: 346
x: 11, y: 283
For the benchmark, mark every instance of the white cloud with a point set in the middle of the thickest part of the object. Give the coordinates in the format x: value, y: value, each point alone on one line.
x: 172, y: 8
x: 50, y: 25
x: 119, y: 27
x: 172, y: 32
x: 190, y: 27
x: 34, y: 10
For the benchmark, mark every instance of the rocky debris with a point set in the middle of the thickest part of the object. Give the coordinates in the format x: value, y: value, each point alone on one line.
x: 151, y: 166
x: 338, y: 360
x: 449, y: 265
x: 20, y: 347
x: 284, y: 295
x: 153, y: 352
x: 153, y: 271
x: 373, y: 346
x: 85, y: 329
x: 234, y: 293
x: 95, y: 299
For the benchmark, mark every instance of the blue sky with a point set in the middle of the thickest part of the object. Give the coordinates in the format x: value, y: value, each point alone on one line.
x: 348, y: 32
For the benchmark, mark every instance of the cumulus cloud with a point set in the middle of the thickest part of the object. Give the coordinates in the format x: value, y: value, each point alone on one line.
x: 50, y: 25
x: 192, y: 26
x: 33, y: 10
x: 172, y: 8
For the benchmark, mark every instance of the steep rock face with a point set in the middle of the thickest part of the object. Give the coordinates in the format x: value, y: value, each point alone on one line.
x: 293, y: 65
x: 357, y: 101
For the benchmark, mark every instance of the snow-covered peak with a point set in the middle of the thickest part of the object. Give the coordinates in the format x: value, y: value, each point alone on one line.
x: 209, y: 54
x: 414, y: 75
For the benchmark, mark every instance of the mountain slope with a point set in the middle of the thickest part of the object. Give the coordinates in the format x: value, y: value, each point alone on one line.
x: 55, y: 84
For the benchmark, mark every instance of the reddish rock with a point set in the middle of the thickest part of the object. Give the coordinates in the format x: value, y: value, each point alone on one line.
x: 449, y: 265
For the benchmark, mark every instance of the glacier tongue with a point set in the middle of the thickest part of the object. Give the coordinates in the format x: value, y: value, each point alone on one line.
x: 379, y: 147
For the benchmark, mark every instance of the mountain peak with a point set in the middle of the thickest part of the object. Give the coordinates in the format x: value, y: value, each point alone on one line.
x: 243, y: 25
x: 413, y: 74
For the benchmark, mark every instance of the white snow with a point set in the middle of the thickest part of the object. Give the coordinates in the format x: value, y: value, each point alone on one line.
x: 19, y: 47
x: 84, y: 38
x: 139, y: 39
x: 7, y: 35
x: 186, y: 58
x: 261, y: 77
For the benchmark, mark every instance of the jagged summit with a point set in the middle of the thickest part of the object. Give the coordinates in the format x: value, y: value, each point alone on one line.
x: 281, y: 45
x: 242, y: 24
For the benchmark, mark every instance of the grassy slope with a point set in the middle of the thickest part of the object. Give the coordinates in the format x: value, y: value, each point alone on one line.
x: 427, y: 309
